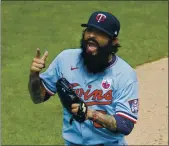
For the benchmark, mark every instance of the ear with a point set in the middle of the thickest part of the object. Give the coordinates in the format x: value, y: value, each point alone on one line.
x: 115, y: 41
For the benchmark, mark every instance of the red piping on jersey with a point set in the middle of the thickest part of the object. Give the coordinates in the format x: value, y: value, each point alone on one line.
x: 47, y: 90
x: 127, y: 117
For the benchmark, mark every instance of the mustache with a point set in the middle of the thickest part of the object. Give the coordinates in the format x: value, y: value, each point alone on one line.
x: 91, y: 40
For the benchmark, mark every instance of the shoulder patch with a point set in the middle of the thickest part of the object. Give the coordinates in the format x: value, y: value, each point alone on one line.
x: 134, y: 105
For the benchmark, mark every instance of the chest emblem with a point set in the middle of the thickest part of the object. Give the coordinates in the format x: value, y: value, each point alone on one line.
x: 106, y: 83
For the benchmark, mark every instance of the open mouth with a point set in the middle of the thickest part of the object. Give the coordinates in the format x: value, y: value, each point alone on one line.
x: 91, y: 47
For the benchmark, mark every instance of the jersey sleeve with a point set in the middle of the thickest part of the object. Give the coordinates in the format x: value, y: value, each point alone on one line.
x: 127, y: 101
x: 50, y: 76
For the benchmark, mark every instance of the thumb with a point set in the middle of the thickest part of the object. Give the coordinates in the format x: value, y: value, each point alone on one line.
x: 45, y: 55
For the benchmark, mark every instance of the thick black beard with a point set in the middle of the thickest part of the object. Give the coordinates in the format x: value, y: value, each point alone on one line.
x: 99, y: 62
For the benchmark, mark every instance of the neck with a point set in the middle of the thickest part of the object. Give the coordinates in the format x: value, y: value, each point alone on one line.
x: 110, y: 58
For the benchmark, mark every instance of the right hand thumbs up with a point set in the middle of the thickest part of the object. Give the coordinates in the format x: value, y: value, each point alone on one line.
x: 38, y: 62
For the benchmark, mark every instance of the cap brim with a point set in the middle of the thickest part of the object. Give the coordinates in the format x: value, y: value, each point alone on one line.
x: 84, y: 25
x: 95, y: 26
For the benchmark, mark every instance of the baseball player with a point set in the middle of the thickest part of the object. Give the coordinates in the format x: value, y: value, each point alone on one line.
x: 105, y: 82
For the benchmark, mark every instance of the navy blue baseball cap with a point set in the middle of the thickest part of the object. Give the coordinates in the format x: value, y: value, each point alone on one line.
x: 105, y: 22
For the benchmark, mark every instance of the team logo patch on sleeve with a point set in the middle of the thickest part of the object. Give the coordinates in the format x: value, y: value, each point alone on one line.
x: 134, y: 105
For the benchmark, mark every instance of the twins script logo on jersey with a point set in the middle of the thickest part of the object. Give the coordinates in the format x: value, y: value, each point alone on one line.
x: 100, y: 17
x: 106, y: 83
x: 134, y: 105
x: 94, y: 97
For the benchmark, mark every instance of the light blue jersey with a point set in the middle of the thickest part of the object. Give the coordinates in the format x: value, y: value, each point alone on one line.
x: 114, y: 91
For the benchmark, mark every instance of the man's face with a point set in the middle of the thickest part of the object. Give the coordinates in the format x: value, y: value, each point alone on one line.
x: 95, y: 39
x: 96, y: 46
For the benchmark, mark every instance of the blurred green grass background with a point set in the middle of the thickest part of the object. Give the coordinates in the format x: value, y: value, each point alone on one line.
x: 55, y: 26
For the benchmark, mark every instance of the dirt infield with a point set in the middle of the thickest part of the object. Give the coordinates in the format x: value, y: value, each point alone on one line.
x: 152, y: 125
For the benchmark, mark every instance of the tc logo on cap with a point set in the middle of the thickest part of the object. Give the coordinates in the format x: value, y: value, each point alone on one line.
x: 100, y: 17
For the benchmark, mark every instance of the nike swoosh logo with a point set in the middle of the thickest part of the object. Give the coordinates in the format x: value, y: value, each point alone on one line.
x: 73, y: 68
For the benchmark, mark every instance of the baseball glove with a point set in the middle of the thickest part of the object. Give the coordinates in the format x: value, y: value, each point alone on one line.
x: 68, y: 97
